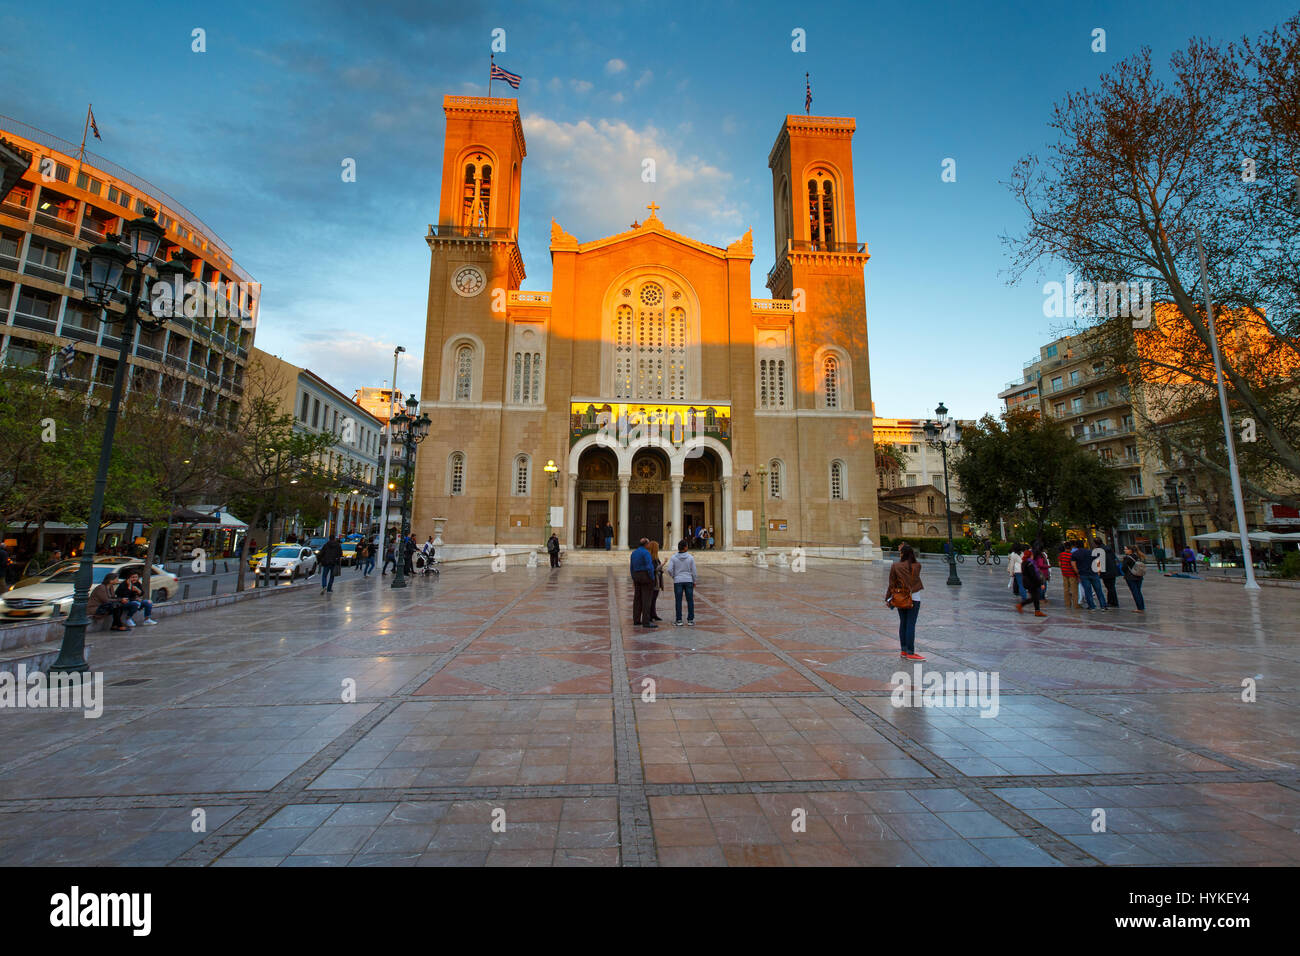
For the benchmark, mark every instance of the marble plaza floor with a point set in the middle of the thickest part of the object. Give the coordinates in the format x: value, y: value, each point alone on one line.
x: 521, y: 700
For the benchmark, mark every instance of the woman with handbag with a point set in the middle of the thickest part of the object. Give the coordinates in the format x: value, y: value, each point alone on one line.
x: 1032, y: 587
x: 904, y: 581
x: 658, y: 575
x: 1135, y: 569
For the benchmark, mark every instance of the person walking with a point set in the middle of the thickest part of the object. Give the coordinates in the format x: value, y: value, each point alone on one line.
x: 390, y: 557
x: 1189, y: 560
x: 1089, y: 581
x: 408, y: 555
x: 365, y: 558
x: 1109, y: 572
x: 710, y: 537
x: 1033, y: 586
x: 1044, y: 566
x: 653, y: 548
x: 553, y: 549
x: 1161, y: 555
x: 131, y: 594
x: 609, y: 536
x: 103, y: 600
x: 642, y: 567
x: 1135, y: 569
x: 1069, y: 579
x: 681, y: 568
x: 1016, y: 568
x: 904, y: 582
x: 329, y: 558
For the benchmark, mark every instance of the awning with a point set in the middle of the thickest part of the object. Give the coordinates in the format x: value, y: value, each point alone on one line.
x: 1217, y: 536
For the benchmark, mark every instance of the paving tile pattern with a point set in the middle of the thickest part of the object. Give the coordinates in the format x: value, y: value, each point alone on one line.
x: 521, y: 720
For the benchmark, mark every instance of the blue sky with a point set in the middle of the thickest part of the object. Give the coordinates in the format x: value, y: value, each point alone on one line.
x: 251, y: 133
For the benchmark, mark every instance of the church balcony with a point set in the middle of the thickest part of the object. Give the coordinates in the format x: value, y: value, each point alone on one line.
x: 771, y: 305
x: 520, y: 297
x: 469, y: 232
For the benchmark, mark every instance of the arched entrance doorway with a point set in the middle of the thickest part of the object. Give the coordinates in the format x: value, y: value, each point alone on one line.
x: 597, y: 497
x: 649, y: 505
x: 701, y: 495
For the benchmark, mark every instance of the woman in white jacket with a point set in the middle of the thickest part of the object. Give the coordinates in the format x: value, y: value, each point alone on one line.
x: 1015, y: 567
x: 681, y: 567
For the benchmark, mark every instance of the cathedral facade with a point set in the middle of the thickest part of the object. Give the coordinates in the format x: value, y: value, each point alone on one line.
x: 665, y: 396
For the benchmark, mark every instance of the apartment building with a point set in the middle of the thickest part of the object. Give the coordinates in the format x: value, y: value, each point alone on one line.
x: 59, y: 205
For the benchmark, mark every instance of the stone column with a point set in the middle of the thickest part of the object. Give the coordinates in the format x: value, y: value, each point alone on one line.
x: 571, y: 532
x: 623, y: 482
x: 676, y: 513
x: 728, y: 516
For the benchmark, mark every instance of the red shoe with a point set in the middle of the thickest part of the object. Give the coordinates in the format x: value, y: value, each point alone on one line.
x: 1020, y: 608
x: 1039, y: 614
x: 914, y: 657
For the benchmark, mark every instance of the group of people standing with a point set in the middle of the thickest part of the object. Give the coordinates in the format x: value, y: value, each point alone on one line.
x: 699, y: 537
x: 1086, y: 572
x: 648, y: 581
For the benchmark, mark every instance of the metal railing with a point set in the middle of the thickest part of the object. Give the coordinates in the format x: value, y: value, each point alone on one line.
x: 45, y: 272
x: 55, y: 223
x: 469, y: 232
x: 34, y: 322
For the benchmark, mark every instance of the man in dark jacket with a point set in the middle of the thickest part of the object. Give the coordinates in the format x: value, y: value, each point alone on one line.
x: 408, y: 554
x: 1110, y: 571
x: 329, y: 557
x: 643, y: 579
x: 553, y: 549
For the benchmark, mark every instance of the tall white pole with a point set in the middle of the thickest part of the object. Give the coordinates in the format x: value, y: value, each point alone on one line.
x: 388, y: 457
x: 1251, y: 583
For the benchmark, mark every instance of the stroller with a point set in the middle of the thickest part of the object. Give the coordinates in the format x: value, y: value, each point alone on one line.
x: 425, y: 563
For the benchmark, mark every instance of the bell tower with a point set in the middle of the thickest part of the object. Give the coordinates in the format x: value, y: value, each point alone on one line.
x: 474, y: 266
x: 819, y: 267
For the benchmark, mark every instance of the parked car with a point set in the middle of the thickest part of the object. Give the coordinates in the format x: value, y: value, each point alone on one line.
x: 290, y: 561
x: 45, y: 573
x: 255, y: 559
x: 350, y: 552
x: 52, y: 596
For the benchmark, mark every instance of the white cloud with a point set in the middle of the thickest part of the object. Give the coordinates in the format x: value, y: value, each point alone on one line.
x: 643, y: 79
x: 580, y: 86
x: 615, y: 66
x: 594, y: 171
x: 617, y: 97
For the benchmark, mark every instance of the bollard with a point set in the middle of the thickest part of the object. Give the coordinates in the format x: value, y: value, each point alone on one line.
x: 185, y: 595
x: 215, y: 582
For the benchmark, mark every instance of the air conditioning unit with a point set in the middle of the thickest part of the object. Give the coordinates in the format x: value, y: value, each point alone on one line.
x: 1079, y: 420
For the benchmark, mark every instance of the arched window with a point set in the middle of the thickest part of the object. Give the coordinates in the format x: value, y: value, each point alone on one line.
x: 651, y: 332
x: 477, y: 196
x: 831, y: 381
x: 623, y: 350
x: 521, y: 475
x: 771, y: 383
x: 837, y: 480
x: 774, y: 478
x: 527, y: 389
x: 821, y: 209
x: 464, y: 373
x: 456, y: 473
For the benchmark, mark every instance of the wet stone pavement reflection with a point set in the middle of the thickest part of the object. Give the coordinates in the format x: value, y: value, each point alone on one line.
x: 508, y: 719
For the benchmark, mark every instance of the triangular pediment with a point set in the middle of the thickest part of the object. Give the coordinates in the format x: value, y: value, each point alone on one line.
x: 562, y: 241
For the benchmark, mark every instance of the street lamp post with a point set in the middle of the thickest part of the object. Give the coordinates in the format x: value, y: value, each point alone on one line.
x: 937, y: 434
x: 1173, y: 487
x: 388, y: 456
x: 410, y: 431
x: 106, y: 266
x: 553, y: 474
x: 762, y: 508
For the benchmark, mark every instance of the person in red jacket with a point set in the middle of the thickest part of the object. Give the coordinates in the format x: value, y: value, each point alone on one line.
x: 1069, y: 577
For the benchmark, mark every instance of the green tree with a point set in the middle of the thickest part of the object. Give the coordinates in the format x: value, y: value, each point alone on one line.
x: 272, y: 467
x: 1137, y: 164
x: 1026, y: 465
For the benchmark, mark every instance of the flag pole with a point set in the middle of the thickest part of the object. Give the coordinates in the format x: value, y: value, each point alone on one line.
x: 1251, y: 583
x: 81, y: 153
x: 491, y: 63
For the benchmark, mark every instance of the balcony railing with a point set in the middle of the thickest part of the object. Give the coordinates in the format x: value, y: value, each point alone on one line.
x: 90, y: 234
x: 14, y: 209
x: 771, y: 305
x: 34, y: 322
x: 149, y: 352
x: 8, y: 262
x: 45, y: 272
x: 469, y: 232
x: 54, y: 222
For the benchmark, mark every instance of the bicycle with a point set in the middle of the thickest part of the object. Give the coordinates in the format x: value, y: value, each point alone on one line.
x: 989, y: 558
x: 961, y: 558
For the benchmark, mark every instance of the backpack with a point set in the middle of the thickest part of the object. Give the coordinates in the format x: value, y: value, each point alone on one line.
x: 1139, y: 569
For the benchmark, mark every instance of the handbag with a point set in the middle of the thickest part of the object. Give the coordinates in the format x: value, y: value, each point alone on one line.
x: 1139, y: 569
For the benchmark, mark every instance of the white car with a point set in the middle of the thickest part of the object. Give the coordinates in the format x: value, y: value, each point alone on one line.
x: 52, y: 596
x: 290, y: 561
